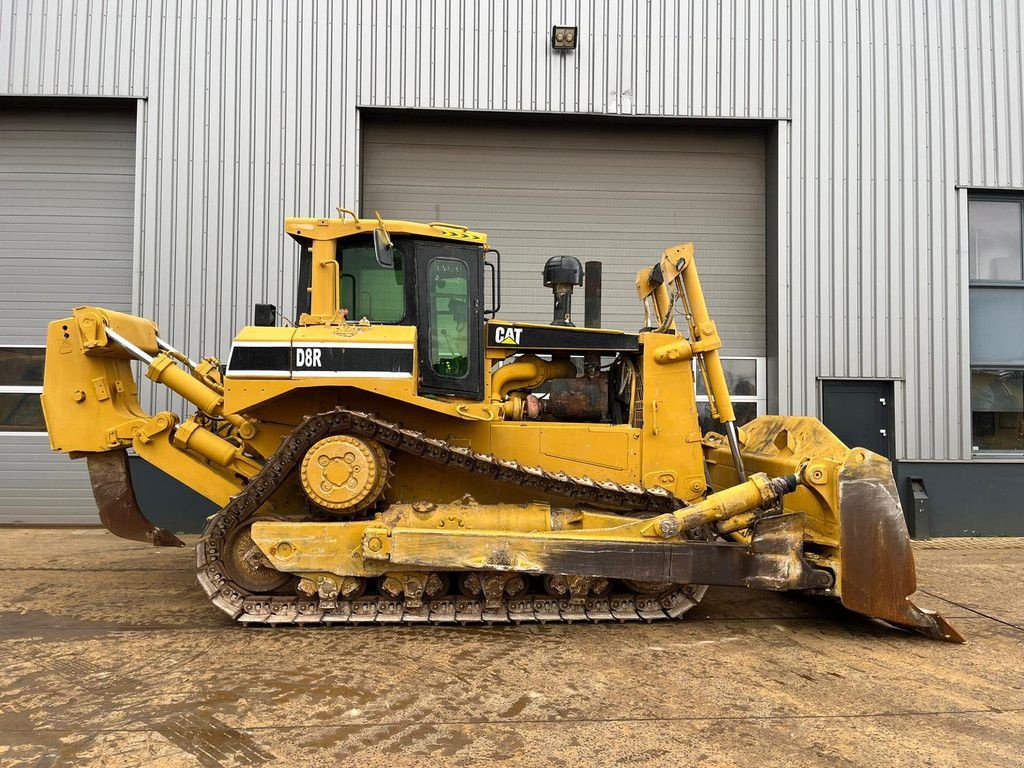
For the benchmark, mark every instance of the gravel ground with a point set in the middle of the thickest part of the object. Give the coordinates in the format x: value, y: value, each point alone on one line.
x: 111, y: 656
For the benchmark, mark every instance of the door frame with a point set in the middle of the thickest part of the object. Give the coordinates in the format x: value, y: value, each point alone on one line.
x: 431, y: 383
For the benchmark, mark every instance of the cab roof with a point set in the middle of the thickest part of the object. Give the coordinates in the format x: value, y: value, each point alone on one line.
x: 305, y: 229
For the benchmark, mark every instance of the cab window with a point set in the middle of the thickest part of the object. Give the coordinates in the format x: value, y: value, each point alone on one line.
x: 368, y: 289
x: 448, y: 301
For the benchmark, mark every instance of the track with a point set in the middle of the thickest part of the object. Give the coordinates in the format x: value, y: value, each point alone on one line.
x: 251, y: 608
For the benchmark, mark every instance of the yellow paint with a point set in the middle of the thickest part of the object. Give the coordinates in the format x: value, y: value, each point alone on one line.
x: 779, y: 445
x: 360, y: 548
x: 607, y: 448
x: 90, y: 405
x: 665, y: 447
x: 527, y: 372
x: 333, y: 229
x: 344, y: 473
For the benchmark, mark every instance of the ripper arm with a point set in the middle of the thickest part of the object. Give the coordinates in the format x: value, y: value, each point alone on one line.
x: 90, y: 403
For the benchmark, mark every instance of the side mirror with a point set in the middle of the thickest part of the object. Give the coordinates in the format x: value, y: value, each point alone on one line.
x: 383, y: 248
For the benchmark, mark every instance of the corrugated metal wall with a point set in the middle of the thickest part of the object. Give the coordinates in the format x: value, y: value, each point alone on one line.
x: 726, y: 59
x: 895, y: 106
x: 884, y: 108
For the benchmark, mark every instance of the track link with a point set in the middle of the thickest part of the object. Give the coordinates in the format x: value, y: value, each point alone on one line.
x: 283, y: 609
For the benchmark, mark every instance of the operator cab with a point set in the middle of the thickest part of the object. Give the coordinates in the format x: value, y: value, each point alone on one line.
x: 434, y: 284
x: 431, y: 277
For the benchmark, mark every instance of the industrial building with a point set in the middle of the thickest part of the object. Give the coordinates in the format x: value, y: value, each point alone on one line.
x: 851, y: 173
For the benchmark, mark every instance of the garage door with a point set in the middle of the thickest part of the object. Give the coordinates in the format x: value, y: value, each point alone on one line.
x: 67, y: 175
x: 608, y: 191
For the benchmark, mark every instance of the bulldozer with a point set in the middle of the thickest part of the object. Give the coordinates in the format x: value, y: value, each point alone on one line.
x: 401, y: 454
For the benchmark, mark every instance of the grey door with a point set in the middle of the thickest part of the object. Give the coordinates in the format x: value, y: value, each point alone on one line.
x: 617, y: 192
x: 67, y: 181
x: 860, y: 413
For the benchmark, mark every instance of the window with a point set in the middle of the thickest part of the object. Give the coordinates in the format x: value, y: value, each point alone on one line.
x: 370, y: 290
x: 746, y: 377
x: 21, y: 382
x: 448, y: 305
x: 996, y: 253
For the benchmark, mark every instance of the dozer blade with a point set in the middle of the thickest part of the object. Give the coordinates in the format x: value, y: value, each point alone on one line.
x: 855, y: 523
x: 878, y: 574
x: 118, y: 507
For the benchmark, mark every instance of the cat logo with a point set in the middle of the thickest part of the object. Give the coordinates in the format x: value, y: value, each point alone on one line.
x: 506, y: 335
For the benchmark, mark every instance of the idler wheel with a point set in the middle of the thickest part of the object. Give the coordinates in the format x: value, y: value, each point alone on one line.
x: 248, y: 567
x: 344, y: 473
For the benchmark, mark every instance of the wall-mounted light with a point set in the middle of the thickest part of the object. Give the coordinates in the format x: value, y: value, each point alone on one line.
x: 564, y: 38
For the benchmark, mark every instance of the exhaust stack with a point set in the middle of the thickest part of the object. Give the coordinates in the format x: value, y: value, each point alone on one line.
x: 592, y: 295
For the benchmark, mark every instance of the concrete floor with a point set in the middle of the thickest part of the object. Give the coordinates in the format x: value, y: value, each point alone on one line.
x: 111, y: 656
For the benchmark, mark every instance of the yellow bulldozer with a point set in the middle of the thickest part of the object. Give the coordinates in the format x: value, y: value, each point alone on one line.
x: 400, y: 454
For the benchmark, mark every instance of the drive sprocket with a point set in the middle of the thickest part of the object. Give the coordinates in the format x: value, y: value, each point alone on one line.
x: 344, y: 473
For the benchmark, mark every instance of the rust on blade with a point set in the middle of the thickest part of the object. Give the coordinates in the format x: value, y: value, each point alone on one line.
x: 118, y: 507
x: 878, y: 574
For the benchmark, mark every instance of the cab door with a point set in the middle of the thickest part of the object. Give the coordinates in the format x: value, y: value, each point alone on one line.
x: 450, y: 286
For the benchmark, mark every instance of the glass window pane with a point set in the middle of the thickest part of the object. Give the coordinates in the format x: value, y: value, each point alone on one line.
x: 448, y: 297
x: 745, y: 412
x: 21, y: 366
x: 21, y: 413
x: 740, y: 376
x: 994, y: 232
x: 997, y: 409
x: 370, y: 290
x: 997, y: 325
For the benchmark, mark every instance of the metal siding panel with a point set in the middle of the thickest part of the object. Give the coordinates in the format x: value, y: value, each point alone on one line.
x: 953, y: 260
x: 257, y: 164
x: 1013, y: 60
x: 616, y: 194
x: 55, y: 47
x: 871, y: 200
x: 627, y: 60
x: 802, y: 394
x: 879, y: 206
x: 914, y: 273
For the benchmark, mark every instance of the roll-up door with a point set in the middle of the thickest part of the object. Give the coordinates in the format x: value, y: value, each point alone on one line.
x: 618, y: 192
x: 67, y: 179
